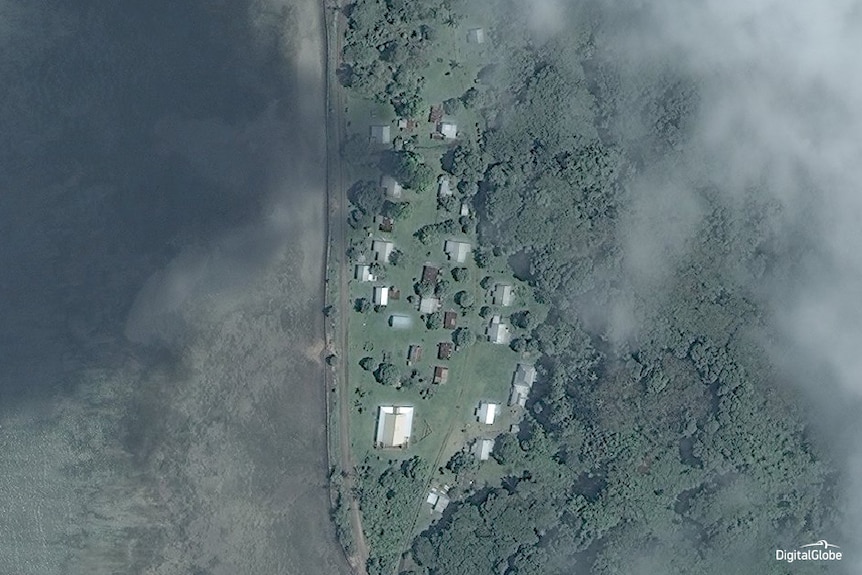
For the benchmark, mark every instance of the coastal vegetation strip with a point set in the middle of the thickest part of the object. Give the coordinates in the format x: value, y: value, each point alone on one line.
x: 345, y: 507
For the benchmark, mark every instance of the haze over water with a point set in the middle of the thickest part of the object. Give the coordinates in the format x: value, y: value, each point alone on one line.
x: 161, y: 218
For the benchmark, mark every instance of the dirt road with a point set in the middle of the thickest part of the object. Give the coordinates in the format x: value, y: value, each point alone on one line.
x: 337, y: 338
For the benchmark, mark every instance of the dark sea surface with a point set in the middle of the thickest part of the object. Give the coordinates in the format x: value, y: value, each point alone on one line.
x: 161, y: 244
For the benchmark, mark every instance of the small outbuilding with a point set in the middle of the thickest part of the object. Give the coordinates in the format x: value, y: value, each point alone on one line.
x: 363, y: 273
x: 437, y: 499
x: 430, y: 273
x: 390, y: 186
x: 394, y: 426
x: 450, y: 320
x: 498, y: 332
x: 443, y: 189
x: 441, y: 375
x: 414, y: 354
x: 444, y: 350
x: 384, y: 223
x: 476, y: 36
x: 380, y: 134
x: 448, y: 129
x: 442, y: 503
x: 429, y: 305
x: 487, y: 412
x: 382, y: 250
x: 522, y: 382
x: 456, y: 250
x: 483, y: 448
x: 503, y: 294
x: 380, y: 295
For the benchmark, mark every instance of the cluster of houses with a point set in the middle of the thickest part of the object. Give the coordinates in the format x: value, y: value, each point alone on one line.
x: 395, y: 422
x: 498, y: 331
x: 445, y: 128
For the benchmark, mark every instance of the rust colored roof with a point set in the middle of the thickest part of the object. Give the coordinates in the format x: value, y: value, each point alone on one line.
x: 444, y: 350
x: 429, y: 273
x: 414, y: 353
x: 450, y: 319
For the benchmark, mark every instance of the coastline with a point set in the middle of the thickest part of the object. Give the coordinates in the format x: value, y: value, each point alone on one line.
x: 335, y: 291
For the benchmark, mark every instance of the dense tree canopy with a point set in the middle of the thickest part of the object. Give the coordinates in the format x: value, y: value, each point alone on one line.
x: 657, y: 439
x: 666, y: 447
x: 367, y: 196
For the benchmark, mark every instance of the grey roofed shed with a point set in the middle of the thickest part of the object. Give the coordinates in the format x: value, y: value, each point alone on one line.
x: 381, y: 134
x: 476, y: 35
x: 400, y: 321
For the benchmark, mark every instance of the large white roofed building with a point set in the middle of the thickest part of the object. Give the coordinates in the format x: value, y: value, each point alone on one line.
x: 394, y: 426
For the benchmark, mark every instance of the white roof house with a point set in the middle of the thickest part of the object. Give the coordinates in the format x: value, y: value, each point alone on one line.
x: 400, y: 321
x: 391, y: 187
x: 382, y: 250
x: 394, y: 425
x: 476, y: 35
x: 363, y: 273
x: 522, y: 382
x: 503, y: 294
x: 487, y: 412
x: 448, y: 129
x: 443, y: 188
x: 497, y: 331
x: 442, y: 503
x: 465, y: 209
x: 381, y: 134
x: 483, y: 448
x: 381, y: 295
x: 456, y: 250
x: 429, y: 305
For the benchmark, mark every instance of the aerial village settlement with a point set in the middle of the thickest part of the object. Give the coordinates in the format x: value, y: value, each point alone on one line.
x: 435, y: 366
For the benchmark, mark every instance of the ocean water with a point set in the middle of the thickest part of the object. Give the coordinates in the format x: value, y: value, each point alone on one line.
x: 161, y: 244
